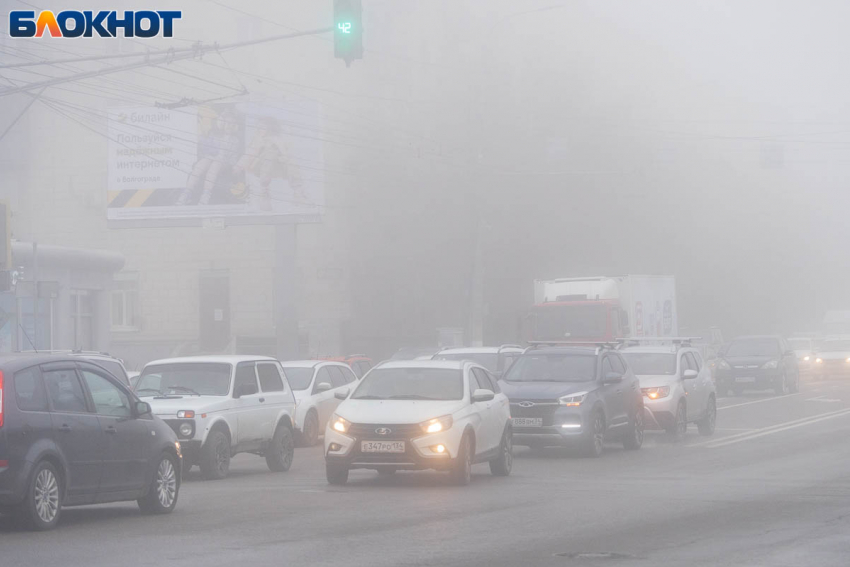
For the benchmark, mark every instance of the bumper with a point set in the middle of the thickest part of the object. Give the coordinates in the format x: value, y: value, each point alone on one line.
x: 562, y: 427
x: 13, y: 482
x: 345, y: 451
x: 754, y: 380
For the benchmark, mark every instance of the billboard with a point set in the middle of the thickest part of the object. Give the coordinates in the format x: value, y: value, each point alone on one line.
x: 246, y: 162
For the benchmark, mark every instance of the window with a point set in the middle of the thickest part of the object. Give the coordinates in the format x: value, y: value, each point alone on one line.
x: 245, y: 376
x: 108, y: 398
x: 82, y: 319
x: 270, y: 380
x: 349, y: 375
x: 29, y: 390
x: 411, y: 384
x: 508, y: 360
x: 337, y: 377
x: 696, y: 362
x: 363, y: 366
x: 114, y: 368
x: 686, y: 363
x: 606, y: 366
x: 322, y: 377
x: 65, y: 392
x: 483, y: 379
x: 125, y: 302
x: 299, y: 378
x: 617, y: 364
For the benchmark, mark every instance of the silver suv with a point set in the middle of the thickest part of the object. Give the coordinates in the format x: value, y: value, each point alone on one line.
x: 676, y: 385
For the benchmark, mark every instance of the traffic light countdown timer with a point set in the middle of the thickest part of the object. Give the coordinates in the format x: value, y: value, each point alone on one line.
x: 348, y: 30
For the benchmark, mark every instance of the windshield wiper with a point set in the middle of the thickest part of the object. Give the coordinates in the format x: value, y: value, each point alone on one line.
x: 150, y: 390
x: 369, y: 398
x: 184, y: 389
x: 411, y: 397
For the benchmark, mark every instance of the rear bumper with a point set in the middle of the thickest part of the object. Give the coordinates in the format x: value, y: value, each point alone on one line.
x: 754, y: 380
x: 13, y: 482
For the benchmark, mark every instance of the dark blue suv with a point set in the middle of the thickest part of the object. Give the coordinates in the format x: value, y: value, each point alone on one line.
x: 71, y: 433
x: 574, y: 396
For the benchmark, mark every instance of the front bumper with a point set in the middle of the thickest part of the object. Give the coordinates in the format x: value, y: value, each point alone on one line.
x: 561, y: 426
x: 754, y: 379
x: 831, y: 368
x: 417, y: 455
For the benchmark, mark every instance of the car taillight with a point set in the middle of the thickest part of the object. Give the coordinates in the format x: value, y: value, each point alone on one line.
x: 1, y: 399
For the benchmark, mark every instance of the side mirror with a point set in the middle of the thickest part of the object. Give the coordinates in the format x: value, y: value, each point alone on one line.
x: 142, y: 408
x: 482, y: 395
x: 790, y: 353
x: 612, y: 378
x: 690, y: 374
x: 245, y: 390
x: 322, y: 387
x: 342, y: 394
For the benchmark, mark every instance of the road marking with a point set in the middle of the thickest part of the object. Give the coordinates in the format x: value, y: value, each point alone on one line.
x: 822, y: 399
x: 732, y: 439
x: 759, y: 401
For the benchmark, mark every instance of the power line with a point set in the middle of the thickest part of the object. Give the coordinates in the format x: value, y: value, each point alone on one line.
x: 21, y: 113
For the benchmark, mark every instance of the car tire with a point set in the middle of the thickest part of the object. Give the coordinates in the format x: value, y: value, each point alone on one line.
x: 633, y: 438
x: 781, y: 389
x: 502, y: 465
x: 164, y: 489
x: 281, y: 449
x: 461, y: 473
x: 309, y: 435
x: 676, y: 431
x: 336, y: 475
x: 42, y: 505
x: 795, y: 387
x: 215, y: 456
x: 707, y: 424
x: 593, y: 442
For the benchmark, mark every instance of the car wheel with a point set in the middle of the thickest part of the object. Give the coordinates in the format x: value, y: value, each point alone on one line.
x: 795, y: 387
x: 595, y: 436
x: 336, y: 475
x: 782, y: 387
x: 281, y: 449
x: 461, y: 473
x: 162, y: 494
x: 634, y: 431
x: 707, y: 424
x: 42, y: 504
x: 502, y: 465
x: 310, y: 432
x: 215, y: 456
x: 676, y: 431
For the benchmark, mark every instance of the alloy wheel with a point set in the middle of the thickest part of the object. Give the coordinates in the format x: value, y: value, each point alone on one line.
x: 598, y: 432
x: 222, y: 456
x: 46, y: 495
x: 166, y: 483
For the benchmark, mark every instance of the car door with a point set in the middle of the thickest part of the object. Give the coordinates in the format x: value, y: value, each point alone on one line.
x: 490, y: 422
x: 129, y: 443
x: 631, y: 385
x: 691, y: 386
x: 340, y: 383
x: 789, y: 360
x: 612, y: 396
x: 703, y: 386
x: 76, y: 430
x: 325, y: 401
x: 276, y: 396
x: 247, y: 407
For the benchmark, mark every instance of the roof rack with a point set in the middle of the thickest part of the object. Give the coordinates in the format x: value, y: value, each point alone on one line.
x: 597, y: 344
x: 675, y: 340
x: 510, y: 346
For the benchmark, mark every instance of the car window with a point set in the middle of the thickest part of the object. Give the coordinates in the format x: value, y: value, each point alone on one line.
x: 65, y: 391
x: 337, y: 377
x: 363, y: 367
x: 245, y: 375
x: 322, y: 376
x: 508, y: 359
x: 349, y: 374
x: 270, y: 380
x: 29, y: 390
x: 482, y: 379
x: 108, y: 398
x: 358, y: 371
x: 617, y: 364
x: 606, y: 366
x: 696, y: 361
x: 114, y: 368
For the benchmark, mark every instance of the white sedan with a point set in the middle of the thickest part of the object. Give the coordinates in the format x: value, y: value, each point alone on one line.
x: 314, y: 383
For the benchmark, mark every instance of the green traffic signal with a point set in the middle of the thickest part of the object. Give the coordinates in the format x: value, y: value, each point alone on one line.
x: 348, y: 37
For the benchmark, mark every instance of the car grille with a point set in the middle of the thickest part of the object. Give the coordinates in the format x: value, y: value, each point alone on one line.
x: 541, y: 408
x: 396, y: 431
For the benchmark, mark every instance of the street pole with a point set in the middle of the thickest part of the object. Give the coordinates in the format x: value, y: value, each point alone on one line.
x: 285, y: 292
x: 35, y: 295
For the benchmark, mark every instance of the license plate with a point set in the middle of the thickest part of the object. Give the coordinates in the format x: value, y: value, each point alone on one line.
x: 745, y: 379
x: 527, y: 421
x: 382, y: 446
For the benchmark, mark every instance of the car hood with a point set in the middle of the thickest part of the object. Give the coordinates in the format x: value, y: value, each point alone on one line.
x: 544, y: 390
x: 172, y: 404
x: 833, y: 355
x: 656, y: 380
x: 755, y: 361
x: 396, y: 411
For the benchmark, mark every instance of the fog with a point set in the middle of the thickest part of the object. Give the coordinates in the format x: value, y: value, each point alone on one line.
x: 550, y: 139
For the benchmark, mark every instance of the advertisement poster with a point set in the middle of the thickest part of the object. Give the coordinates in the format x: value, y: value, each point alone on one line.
x: 258, y: 161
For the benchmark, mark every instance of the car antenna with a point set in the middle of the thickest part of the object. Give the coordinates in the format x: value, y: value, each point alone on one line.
x: 32, y: 344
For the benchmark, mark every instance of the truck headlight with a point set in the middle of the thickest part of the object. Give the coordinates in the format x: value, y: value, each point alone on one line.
x: 437, y: 424
x: 573, y: 400
x: 656, y: 393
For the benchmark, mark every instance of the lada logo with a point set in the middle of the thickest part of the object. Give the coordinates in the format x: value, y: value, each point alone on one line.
x: 383, y: 431
x: 526, y: 404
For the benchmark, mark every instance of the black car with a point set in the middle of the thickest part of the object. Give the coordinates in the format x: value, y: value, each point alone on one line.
x: 574, y: 396
x: 758, y: 362
x: 71, y: 433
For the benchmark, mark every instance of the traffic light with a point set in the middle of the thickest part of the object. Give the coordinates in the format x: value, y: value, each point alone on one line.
x: 348, y: 30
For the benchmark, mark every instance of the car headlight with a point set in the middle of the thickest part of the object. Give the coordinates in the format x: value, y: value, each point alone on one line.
x: 186, y: 429
x: 848, y: 360
x: 437, y: 424
x: 656, y: 393
x: 185, y: 414
x: 573, y: 400
x: 772, y: 365
x: 723, y: 365
x: 340, y: 424
x: 806, y: 358
x: 818, y: 361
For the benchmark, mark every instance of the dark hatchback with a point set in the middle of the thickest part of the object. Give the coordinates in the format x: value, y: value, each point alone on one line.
x: 758, y: 362
x: 71, y: 433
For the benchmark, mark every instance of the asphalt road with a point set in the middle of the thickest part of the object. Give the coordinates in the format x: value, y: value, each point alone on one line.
x: 771, y: 488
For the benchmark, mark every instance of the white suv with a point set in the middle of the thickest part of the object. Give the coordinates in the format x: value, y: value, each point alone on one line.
x: 421, y: 414
x: 314, y: 383
x: 677, y: 388
x: 223, y: 405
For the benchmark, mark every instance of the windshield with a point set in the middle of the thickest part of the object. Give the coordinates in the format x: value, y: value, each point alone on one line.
x: 553, y: 368
x: 411, y: 384
x: 490, y: 361
x: 114, y: 368
x: 649, y: 363
x: 800, y: 344
x: 835, y: 346
x: 753, y: 347
x: 299, y: 377
x: 185, y: 378
x: 565, y: 322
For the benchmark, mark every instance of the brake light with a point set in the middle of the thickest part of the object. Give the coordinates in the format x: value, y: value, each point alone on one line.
x: 1, y: 398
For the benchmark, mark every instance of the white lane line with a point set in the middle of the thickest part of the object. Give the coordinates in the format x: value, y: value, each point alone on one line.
x: 823, y: 399
x: 732, y: 439
x: 759, y: 401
